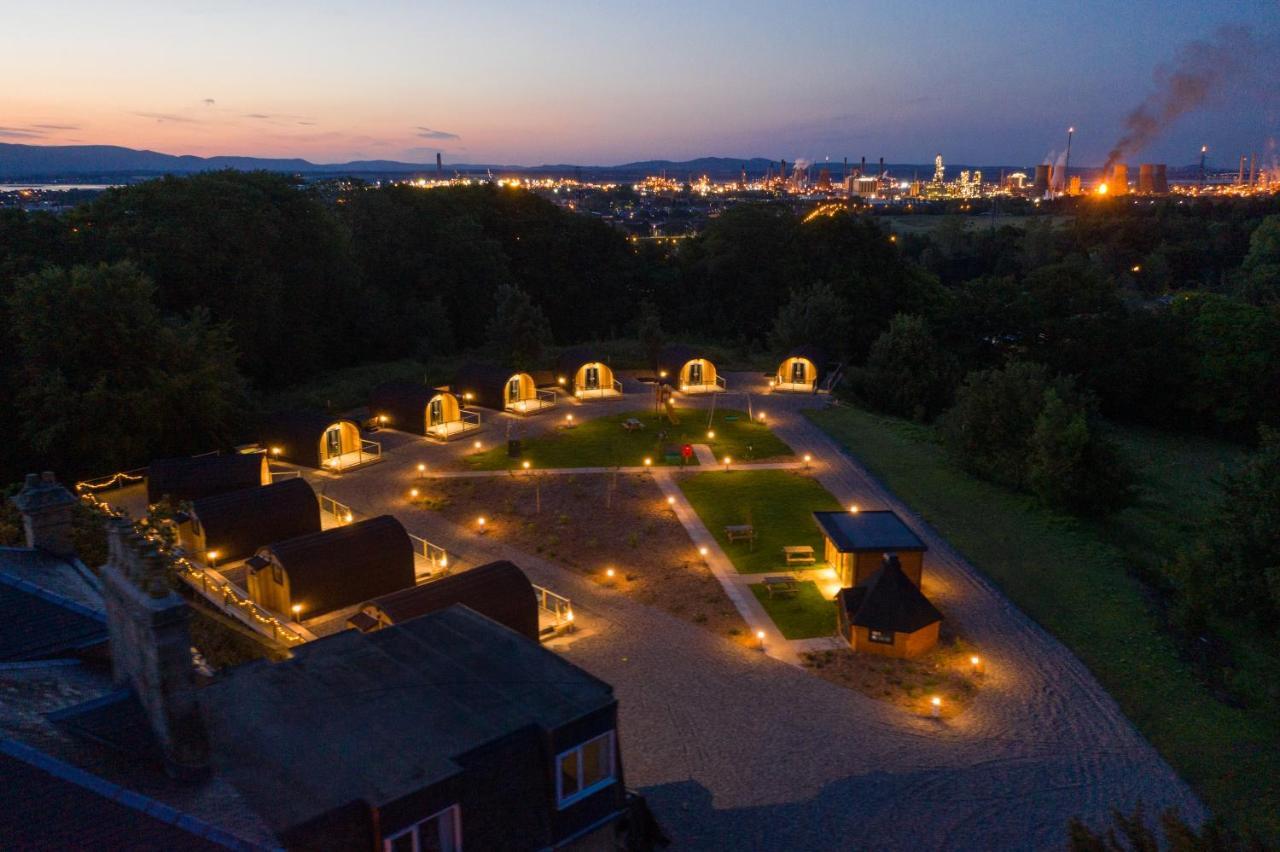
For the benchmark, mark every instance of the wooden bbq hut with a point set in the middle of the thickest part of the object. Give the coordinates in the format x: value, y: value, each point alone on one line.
x: 497, y: 590
x: 800, y: 371
x: 888, y: 614
x: 227, y: 527
x: 688, y: 370
x: 324, y: 571
x: 193, y: 477
x: 582, y: 371
x: 856, y: 543
x: 421, y: 410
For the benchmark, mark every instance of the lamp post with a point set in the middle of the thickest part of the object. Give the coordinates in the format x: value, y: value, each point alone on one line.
x: 935, y: 705
x: 297, y: 612
x: 480, y: 527
x: 760, y: 638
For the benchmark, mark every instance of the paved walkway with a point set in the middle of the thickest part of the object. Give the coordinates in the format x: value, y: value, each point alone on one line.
x: 737, y: 750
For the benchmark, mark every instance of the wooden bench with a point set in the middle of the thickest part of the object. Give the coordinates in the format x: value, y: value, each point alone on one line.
x: 780, y: 586
x: 799, y: 554
x: 740, y: 532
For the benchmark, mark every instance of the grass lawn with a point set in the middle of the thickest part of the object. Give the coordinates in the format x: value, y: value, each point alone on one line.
x: 804, y: 615
x: 1070, y: 576
x: 778, y: 503
x: 602, y: 442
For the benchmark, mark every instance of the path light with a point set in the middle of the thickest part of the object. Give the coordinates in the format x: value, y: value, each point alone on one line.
x: 422, y: 468
x: 275, y: 451
x: 648, y: 462
x: 297, y: 610
x: 568, y: 418
x: 348, y: 517
x: 702, y: 551
x: 936, y: 704
x: 976, y: 662
x: 711, y: 434
x: 382, y: 418
x: 761, y: 416
x: 212, y: 556
x: 476, y: 445
x: 727, y: 462
x: 413, y: 492
x: 760, y: 638
x: 560, y: 380
x: 609, y: 572
x: 480, y: 524
x: 671, y: 501
x: 853, y: 509
x: 444, y: 561
x: 525, y: 464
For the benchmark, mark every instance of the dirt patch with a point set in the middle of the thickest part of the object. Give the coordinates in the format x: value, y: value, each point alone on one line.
x: 947, y: 672
x: 593, y: 524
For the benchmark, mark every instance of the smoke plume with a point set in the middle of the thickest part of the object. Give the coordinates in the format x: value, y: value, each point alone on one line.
x: 1200, y: 72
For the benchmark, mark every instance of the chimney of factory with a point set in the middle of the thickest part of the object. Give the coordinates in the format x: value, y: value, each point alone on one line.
x: 1160, y: 180
x: 1119, y: 180
x: 1040, y: 186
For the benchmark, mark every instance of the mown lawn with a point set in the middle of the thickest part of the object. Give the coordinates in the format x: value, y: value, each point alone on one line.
x: 805, y: 615
x: 1070, y: 576
x: 778, y: 503
x: 602, y: 442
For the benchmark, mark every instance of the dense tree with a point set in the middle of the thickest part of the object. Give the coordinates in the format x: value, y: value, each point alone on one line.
x: 907, y: 374
x: 105, y: 382
x: 1134, y: 832
x: 1261, y: 268
x: 649, y: 333
x: 1071, y: 466
x: 816, y: 316
x: 519, y: 330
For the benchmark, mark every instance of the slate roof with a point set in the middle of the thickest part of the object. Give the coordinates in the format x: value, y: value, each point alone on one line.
x: 38, y: 624
x: 497, y: 590
x: 48, y: 804
x: 376, y: 716
x: 888, y: 601
x: 877, y: 531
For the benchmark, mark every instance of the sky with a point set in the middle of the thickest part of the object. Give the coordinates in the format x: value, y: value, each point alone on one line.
x: 603, y: 82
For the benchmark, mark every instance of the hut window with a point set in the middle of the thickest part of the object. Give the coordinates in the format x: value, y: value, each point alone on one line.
x: 441, y: 831
x: 798, y: 372
x: 583, y: 770
x: 880, y: 636
x: 277, y: 575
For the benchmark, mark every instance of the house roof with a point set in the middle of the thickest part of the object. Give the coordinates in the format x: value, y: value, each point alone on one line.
x: 64, y: 578
x: 889, y: 601
x: 864, y: 531
x: 404, y: 403
x: 48, y: 804
x: 238, y: 522
x: 574, y: 357
x: 345, y: 565
x: 497, y: 590
x: 202, y: 476
x: 376, y: 716
x: 298, y: 434
x: 485, y: 382
x: 39, y: 624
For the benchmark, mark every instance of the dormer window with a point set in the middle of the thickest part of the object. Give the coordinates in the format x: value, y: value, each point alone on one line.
x: 585, y: 769
x: 440, y: 832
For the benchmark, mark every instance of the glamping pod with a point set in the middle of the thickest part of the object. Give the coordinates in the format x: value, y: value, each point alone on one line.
x: 582, y: 372
x: 319, y: 440
x: 856, y: 543
x: 685, y: 368
x: 799, y: 371
x: 501, y: 389
x: 203, y: 476
x: 420, y: 410
x: 226, y: 527
x: 497, y: 590
x: 888, y: 614
x: 319, y: 572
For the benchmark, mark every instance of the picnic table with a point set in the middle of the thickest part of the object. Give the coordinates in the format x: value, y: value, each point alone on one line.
x: 801, y: 553
x: 780, y: 586
x: 631, y: 424
x: 740, y: 532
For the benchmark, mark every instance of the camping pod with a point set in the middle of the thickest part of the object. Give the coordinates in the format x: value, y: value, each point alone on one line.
x: 497, y: 590
x: 319, y: 440
x: 689, y: 370
x: 583, y: 372
x: 888, y: 614
x: 320, y: 572
x: 800, y: 371
x: 191, y: 478
x: 856, y: 542
x: 231, y: 526
x: 501, y: 389
x: 420, y: 410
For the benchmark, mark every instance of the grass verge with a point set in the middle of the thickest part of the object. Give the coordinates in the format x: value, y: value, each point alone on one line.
x: 1070, y: 576
x: 804, y: 615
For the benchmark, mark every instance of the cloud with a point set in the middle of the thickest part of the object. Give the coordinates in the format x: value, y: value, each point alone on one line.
x: 208, y: 102
x: 259, y: 115
x: 428, y: 133
x: 165, y: 116
x: 20, y: 133
x: 55, y: 126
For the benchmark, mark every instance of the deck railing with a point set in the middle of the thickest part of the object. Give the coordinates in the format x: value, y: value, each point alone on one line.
x: 433, y: 553
x: 278, y: 475
x: 721, y: 382
x: 546, y: 397
x: 340, y: 512
x: 89, y: 488
x: 557, y: 607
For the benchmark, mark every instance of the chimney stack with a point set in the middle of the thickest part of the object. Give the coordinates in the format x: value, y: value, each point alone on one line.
x: 439, y: 165
x: 151, y: 647
x: 46, y: 509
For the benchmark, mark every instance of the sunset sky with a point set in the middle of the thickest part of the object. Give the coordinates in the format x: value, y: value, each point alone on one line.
x: 604, y: 82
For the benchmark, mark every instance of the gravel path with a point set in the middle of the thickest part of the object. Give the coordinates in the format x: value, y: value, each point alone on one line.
x: 736, y: 750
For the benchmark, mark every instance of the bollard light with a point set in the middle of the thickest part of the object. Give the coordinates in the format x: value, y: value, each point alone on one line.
x: 609, y: 572
x: 297, y: 610
x: 421, y: 467
x: 648, y: 462
x: 480, y: 524
x: 760, y: 638
x: 413, y: 492
x: 936, y: 703
x: 711, y: 433
x: 853, y: 509
x: 702, y: 551
x: 476, y: 445
x: 525, y: 465
x: 671, y: 501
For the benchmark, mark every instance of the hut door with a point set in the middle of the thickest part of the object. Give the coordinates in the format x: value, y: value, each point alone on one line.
x: 591, y: 381
x: 333, y: 442
x: 513, y: 390
x: 436, y: 417
x: 695, y: 373
x: 797, y: 372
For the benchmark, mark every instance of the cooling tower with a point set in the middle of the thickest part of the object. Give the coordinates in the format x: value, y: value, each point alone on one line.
x: 1146, y: 179
x: 1119, y: 181
x: 1041, y: 185
x: 1160, y: 181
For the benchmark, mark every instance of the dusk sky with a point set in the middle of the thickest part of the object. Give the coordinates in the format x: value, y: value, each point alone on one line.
x: 604, y: 82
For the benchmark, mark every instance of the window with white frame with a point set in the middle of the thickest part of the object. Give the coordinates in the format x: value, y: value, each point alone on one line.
x: 440, y: 832
x: 583, y: 770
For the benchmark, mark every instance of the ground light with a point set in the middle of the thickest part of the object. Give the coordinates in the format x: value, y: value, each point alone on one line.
x: 348, y: 517
x: 711, y: 433
x: 477, y: 445
x: 853, y: 509
x: 648, y: 462
x: 525, y: 465
x: 275, y: 451
x: 671, y: 501
x: 480, y: 524
x: 609, y: 572
x: 702, y: 551
x: 297, y: 610
x: 727, y: 462
x: 936, y: 704
x: 422, y: 468
x: 212, y: 556
x: 413, y: 492
x: 760, y: 638
x: 761, y: 416
x: 976, y: 662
